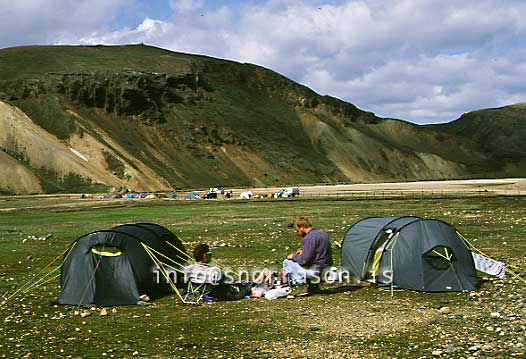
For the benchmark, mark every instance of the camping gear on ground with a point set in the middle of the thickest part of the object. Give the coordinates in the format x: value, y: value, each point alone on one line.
x: 277, y: 292
x: 117, y: 266
x: 199, y: 279
x: 205, y: 280
x: 409, y: 252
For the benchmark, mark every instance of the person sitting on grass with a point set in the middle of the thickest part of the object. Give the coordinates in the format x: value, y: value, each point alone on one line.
x: 203, y: 272
x: 315, y: 255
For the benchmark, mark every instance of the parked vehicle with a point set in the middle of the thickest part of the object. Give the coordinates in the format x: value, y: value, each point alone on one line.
x: 210, y: 195
x: 213, y: 193
x: 287, y: 192
x: 216, y: 190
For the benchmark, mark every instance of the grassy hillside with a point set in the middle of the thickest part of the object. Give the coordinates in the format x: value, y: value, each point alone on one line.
x: 33, y: 62
x: 155, y: 119
x: 498, y: 132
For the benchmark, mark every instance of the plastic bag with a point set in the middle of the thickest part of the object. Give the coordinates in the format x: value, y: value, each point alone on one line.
x: 277, y: 293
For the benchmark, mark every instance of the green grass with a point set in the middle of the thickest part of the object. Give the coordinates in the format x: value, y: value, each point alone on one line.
x: 248, y: 328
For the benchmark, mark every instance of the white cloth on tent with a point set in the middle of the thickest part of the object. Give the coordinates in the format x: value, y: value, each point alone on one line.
x: 489, y: 266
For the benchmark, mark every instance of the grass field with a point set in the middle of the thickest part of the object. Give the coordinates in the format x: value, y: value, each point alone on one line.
x: 357, y: 323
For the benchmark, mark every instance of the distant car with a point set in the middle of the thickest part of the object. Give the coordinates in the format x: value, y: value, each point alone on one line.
x: 216, y: 190
x: 288, y: 192
x: 213, y: 193
x: 210, y: 195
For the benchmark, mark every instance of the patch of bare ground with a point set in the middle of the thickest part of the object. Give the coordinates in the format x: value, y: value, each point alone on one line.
x: 352, y: 321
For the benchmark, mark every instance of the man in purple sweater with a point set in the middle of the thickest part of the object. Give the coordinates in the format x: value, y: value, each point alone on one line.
x: 307, y: 264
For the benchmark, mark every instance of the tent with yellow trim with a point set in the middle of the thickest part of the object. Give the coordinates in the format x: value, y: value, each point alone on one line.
x: 409, y: 252
x: 117, y: 266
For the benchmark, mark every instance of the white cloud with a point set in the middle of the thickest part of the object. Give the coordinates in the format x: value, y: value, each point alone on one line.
x: 29, y: 22
x: 186, y: 5
x: 148, y: 31
x: 419, y: 60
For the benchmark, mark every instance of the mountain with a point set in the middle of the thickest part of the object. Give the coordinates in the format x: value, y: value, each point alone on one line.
x: 498, y: 133
x: 80, y: 118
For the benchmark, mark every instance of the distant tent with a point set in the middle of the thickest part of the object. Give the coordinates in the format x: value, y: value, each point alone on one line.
x: 246, y: 195
x: 193, y: 195
x: 409, y: 252
x: 115, y: 267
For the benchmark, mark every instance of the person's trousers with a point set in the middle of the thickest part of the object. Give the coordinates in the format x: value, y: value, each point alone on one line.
x: 298, y: 274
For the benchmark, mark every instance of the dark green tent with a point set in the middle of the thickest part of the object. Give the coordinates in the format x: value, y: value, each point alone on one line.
x: 112, y: 267
x: 409, y: 252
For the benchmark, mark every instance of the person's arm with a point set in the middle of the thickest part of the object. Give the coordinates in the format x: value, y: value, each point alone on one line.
x: 308, y: 253
x: 298, y: 252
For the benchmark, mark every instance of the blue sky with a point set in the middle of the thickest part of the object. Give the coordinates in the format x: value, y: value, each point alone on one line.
x: 424, y: 61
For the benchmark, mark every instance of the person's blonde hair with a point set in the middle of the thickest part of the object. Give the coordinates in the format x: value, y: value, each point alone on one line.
x: 303, y: 222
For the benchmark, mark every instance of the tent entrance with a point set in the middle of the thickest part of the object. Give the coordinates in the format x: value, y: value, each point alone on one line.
x: 440, y: 257
x: 114, y: 281
x: 371, y: 268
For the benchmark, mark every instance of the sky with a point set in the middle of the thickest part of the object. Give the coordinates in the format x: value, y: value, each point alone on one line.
x: 423, y: 61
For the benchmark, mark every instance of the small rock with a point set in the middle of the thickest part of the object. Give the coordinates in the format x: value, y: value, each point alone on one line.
x: 85, y: 313
x: 437, y: 352
x: 495, y: 314
x: 473, y: 348
x: 103, y: 312
x: 135, y: 353
x: 451, y: 348
x: 487, y: 347
x: 445, y: 310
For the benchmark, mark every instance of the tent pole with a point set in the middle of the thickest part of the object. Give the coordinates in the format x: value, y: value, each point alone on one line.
x: 456, y: 276
x: 89, y: 283
x: 392, y: 275
x: 391, y: 259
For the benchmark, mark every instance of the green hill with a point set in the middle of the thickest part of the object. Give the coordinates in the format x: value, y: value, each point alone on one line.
x: 135, y: 116
x: 497, y: 132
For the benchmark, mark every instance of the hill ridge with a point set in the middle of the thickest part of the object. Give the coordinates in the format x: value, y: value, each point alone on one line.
x: 156, y: 119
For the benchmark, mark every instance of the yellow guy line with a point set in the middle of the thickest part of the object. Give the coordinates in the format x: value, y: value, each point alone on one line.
x: 49, y: 280
x: 163, y: 271
x: 180, y: 251
x: 484, y: 254
x: 176, y: 269
x: 32, y: 281
x: 36, y: 284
